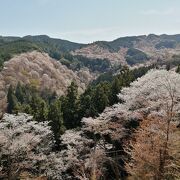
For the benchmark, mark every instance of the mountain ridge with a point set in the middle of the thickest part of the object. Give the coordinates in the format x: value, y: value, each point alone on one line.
x: 147, y: 48
x: 152, y: 46
x: 43, y: 36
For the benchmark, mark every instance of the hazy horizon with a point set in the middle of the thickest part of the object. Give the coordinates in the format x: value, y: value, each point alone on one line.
x: 87, y: 42
x: 86, y: 21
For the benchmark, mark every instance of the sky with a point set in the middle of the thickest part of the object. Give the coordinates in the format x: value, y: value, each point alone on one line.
x: 86, y: 21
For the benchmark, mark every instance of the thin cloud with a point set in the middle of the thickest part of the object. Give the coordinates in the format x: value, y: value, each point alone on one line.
x: 171, y: 11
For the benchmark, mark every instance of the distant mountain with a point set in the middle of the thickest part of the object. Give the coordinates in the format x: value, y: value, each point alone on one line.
x: 44, y: 41
x: 134, y: 49
x: 54, y: 47
x: 5, y: 39
x: 10, y: 46
x: 131, y: 50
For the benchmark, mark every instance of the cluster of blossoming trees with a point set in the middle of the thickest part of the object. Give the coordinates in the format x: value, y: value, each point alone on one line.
x: 139, y: 138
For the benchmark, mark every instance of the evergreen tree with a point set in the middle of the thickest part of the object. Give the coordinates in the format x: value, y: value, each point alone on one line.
x: 26, y: 108
x: 55, y: 117
x: 115, y: 89
x: 87, y: 108
x: 28, y: 93
x: 11, y: 100
x: 17, y: 108
x: 70, y: 107
x: 100, y: 98
x: 72, y: 93
x: 125, y: 77
x: 42, y: 110
x: 19, y: 93
x: 39, y: 108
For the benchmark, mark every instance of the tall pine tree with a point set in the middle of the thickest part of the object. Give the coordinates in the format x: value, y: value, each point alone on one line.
x: 12, y: 101
x: 115, y: 89
x: 39, y: 108
x: 70, y: 107
x: 100, y: 98
x: 55, y: 117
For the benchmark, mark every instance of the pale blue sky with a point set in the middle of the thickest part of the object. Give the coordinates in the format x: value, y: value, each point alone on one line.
x: 89, y: 20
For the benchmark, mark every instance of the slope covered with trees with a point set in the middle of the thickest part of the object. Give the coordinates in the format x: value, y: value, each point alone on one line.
x: 137, y: 138
x: 74, y: 106
x: 133, y: 49
x: 39, y: 71
x: 153, y: 151
x: 9, y: 49
x: 124, y: 124
x: 56, y: 48
x: 125, y: 51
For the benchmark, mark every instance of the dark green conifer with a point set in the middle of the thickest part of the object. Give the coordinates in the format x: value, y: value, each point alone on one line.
x: 70, y: 107
x: 55, y: 117
x: 11, y: 100
x: 19, y: 93
x: 115, y: 89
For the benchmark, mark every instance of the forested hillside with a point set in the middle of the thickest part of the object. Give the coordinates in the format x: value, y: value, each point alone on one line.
x: 124, y: 51
x: 133, y: 50
x: 136, y: 138
x: 56, y: 48
x: 10, y: 46
x: 41, y: 72
x: 86, y: 93
x: 102, y: 111
x: 9, y: 49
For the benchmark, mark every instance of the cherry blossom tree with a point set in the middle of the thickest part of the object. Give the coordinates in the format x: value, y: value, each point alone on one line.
x: 157, y: 92
x: 107, y: 146
x: 26, y: 146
